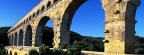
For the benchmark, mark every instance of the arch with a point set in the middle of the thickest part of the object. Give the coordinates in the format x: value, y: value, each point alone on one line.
x: 43, y: 21
x: 15, y: 53
x: 10, y: 52
x: 24, y: 21
x: 72, y: 11
x: 15, y: 39
x: 33, y: 14
x: 39, y: 31
x: 27, y: 20
x: 37, y: 12
x: 28, y: 36
x: 55, y: 1
x: 42, y: 9
x: 6, y: 52
x: 21, y: 23
x: 48, y: 4
x: 30, y: 17
x: 11, y: 40
x: 67, y: 19
x: 20, y: 41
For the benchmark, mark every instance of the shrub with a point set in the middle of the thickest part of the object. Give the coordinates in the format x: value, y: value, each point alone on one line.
x: 139, y: 50
x: 58, y: 51
x: 33, y: 52
x: 64, y: 45
x: 44, y: 50
x: 2, y: 50
x: 75, y: 49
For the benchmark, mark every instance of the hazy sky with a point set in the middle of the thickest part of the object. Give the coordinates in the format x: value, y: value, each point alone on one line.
x: 88, y: 19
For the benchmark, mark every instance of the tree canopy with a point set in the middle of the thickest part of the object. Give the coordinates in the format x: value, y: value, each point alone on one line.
x: 3, y: 35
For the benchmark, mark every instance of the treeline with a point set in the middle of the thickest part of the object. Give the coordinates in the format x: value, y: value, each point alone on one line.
x: 3, y: 35
x: 139, y: 45
x: 88, y: 43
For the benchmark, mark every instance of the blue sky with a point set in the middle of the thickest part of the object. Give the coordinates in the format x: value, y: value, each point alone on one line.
x: 88, y: 19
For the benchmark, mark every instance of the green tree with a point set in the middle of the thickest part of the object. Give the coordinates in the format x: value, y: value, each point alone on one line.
x: 75, y: 49
x: 3, y: 35
x: 58, y: 51
x: 2, y: 50
x: 44, y: 50
x: 92, y: 43
x: 139, y: 50
x: 33, y: 52
x: 139, y: 45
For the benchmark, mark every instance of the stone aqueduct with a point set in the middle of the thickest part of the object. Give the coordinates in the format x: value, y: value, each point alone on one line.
x: 119, y: 24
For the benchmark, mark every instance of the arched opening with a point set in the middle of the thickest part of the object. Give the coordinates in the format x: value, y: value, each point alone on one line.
x: 67, y: 19
x: 11, y: 40
x: 30, y: 18
x: 37, y: 12
x: 15, y: 53
x: 48, y: 4
x: 6, y: 52
x: 24, y: 21
x: 44, y: 32
x: 10, y: 52
x: 33, y: 14
x: 15, y: 39
x: 28, y: 36
x: 20, y: 42
x: 42, y: 9
x: 85, y: 30
x: 55, y: 0
x: 27, y: 20
x: 21, y: 23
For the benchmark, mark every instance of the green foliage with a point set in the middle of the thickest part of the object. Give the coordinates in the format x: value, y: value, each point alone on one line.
x: 44, y: 50
x: 92, y: 43
x: 75, y: 37
x: 2, y: 50
x: 58, y: 51
x: 63, y: 45
x: 33, y: 52
x: 76, y: 44
x: 3, y: 35
x: 75, y: 49
x: 139, y: 45
x: 3, y: 30
x: 139, y: 50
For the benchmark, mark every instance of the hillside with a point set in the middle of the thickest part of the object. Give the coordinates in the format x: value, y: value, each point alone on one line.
x: 87, y: 42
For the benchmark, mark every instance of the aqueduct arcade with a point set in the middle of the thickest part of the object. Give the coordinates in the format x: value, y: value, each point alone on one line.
x: 119, y: 24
